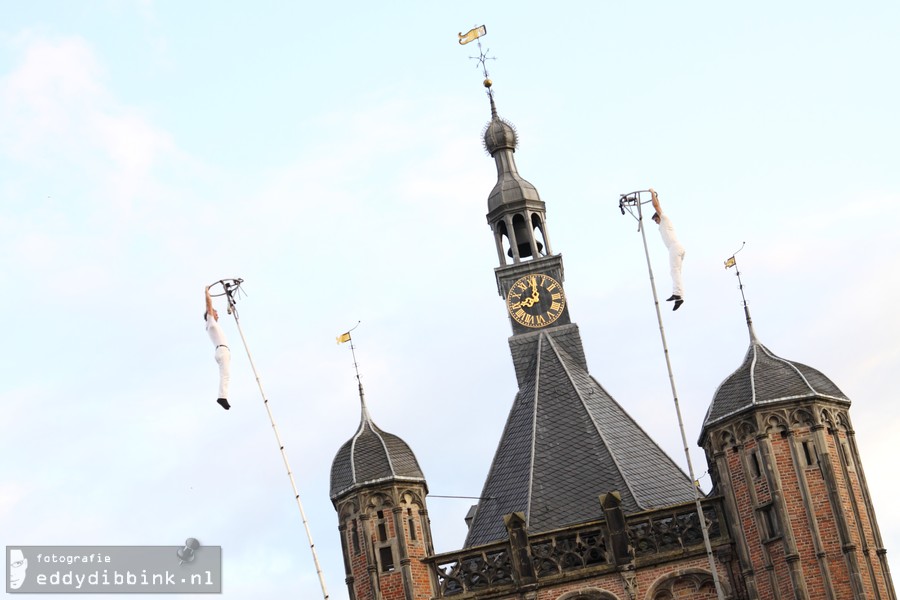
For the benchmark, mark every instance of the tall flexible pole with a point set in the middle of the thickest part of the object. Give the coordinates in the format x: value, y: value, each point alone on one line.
x: 312, y: 545
x: 687, y: 453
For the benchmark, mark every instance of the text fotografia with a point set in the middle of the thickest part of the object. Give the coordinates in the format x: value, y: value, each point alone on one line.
x: 189, y: 568
x: 70, y: 559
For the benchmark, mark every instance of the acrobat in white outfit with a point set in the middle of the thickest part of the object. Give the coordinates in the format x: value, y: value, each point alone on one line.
x: 676, y: 251
x: 223, y: 354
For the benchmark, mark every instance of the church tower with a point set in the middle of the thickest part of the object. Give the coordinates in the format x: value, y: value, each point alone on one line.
x: 378, y: 491
x: 782, y: 450
x: 566, y: 441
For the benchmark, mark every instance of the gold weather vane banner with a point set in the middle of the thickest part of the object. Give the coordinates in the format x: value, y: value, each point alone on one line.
x: 472, y: 35
x: 730, y: 263
x: 344, y: 337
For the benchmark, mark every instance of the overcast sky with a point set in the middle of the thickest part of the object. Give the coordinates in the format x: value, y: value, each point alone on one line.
x: 330, y: 156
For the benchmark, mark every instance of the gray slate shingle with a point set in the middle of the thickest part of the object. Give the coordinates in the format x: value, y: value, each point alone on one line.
x: 566, y: 441
x: 765, y: 378
x: 370, y: 456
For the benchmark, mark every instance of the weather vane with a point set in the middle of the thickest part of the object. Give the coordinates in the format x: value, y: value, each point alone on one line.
x: 732, y: 262
x: 475, y: 34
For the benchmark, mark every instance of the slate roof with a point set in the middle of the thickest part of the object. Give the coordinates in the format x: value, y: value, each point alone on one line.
x: 566, y: 441
x: 372, y: 456
x: 764, y: 378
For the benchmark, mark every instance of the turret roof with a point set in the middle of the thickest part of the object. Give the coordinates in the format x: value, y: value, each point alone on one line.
x: 764, y: 379
x: 372, y: 456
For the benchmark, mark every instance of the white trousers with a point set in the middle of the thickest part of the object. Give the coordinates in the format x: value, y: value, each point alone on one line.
x: 676, y: 257
x: 223, y: 357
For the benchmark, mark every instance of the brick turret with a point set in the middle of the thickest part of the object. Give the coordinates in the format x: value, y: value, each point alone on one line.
x: 378, y: 491
x: 782, y: 450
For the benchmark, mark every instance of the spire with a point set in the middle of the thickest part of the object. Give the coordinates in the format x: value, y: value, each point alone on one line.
x: 732, y: 262
x: 364, y: 416
x: 488, y: 83
x: 372, y: 456
x: 516, y: 212
x: 753, y: 339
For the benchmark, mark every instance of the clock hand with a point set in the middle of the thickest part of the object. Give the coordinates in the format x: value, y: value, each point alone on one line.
x: 528, y: 302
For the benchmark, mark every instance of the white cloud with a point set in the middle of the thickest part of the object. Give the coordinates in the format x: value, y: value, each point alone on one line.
x: 60, y: 117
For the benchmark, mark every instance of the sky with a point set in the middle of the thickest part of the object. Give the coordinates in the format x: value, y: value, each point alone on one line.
x: 330, y: 156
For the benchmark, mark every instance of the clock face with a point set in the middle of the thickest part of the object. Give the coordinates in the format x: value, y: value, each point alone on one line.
x: 535, y: 301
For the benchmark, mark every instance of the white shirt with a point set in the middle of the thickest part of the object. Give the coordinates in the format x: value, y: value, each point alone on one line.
x: 667, y: 231
x: 215, y: 331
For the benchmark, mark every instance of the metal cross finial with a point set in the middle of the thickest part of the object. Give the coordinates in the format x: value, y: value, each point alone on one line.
x: 482, y: 58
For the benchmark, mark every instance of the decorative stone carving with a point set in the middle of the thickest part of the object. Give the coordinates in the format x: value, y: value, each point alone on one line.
x: 564, y: 553
x: 475, y: 571
x: 412, y: 498
x: 746, y: 430
x: 727, y: 438
x: 775, y: 422
x: 629, y: 580
x: 379, y: 500
x: 802, y: 417
x: 347, y: 510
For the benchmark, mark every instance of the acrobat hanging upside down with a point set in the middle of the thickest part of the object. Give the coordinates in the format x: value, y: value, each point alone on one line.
x: 676, y: 251
x: 223, y: 354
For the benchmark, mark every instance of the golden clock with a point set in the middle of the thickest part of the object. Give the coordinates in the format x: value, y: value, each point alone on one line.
x: 535, y: 300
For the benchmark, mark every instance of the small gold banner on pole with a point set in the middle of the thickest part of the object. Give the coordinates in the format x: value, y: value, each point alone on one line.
x: 472, y: 35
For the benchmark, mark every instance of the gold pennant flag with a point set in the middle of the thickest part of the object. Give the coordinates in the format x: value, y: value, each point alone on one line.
x: 344, y: 337
x: 472, y: 35
x: 730, y: 263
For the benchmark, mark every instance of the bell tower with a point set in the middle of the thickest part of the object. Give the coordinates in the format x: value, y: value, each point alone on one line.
x: 531, y: 281
x: 378, y: 491
x: 566, y: 441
